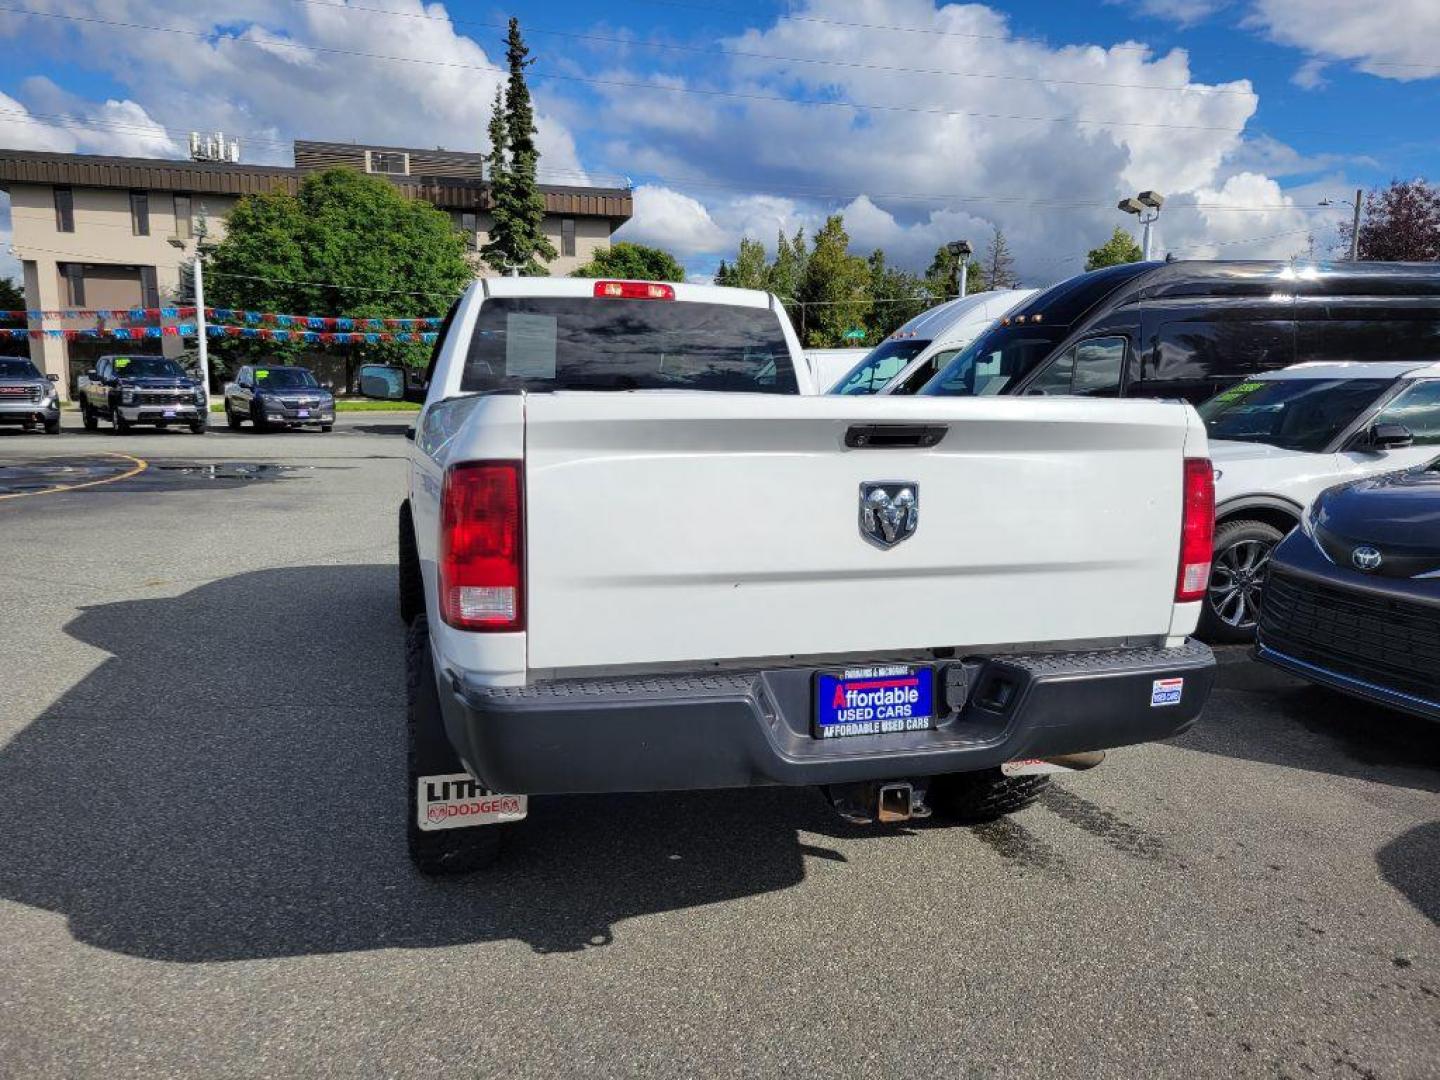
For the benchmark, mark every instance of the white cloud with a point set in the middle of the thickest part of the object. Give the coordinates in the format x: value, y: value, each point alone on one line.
x: 1224, y: 225
x: 1183, y: 12
x: 1399, y: 39
x: 1311, y: 75
x: 675, y: 222
x: 967, y: 127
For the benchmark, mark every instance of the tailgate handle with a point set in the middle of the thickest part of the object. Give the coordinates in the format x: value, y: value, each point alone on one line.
x: 894, y: 436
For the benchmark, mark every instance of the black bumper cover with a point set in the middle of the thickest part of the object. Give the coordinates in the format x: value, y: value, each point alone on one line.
x: 739, y: 729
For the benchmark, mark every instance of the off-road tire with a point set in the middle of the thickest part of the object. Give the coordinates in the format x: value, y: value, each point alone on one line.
x: 428, y: 753
x: 232, y: 421
x: 1213, y: 628
x: 412, y: 583
x: 88, y: 417
x: 977, y: 797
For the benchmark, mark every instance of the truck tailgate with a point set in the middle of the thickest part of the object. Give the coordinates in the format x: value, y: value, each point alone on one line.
x: 665, y: 527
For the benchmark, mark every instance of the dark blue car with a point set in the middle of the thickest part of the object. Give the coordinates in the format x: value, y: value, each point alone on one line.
x: 1352, y: 600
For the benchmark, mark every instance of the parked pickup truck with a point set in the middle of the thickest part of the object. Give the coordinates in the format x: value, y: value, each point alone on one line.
x: 619, y: 580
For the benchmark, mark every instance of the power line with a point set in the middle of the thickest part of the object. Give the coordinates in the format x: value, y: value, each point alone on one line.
x: 745, y: 55
x: 708, y: 182
x: 656, y: 87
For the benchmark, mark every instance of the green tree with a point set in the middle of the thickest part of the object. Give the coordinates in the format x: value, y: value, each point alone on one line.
x: 835, y: 289
x: 897, y: 296
x: 12, y: 297
x: 517, y: 209
x: 943, y: 276
x: 1120, y: 248
x: 346, y: 244
x: 789, y: 267
x: 999, y: 263
x: 749, y: 270
x: 633, y: 262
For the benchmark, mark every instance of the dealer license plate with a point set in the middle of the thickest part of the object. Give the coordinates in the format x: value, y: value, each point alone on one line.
x: 168, y: 414
x: 876, y: 700
x: 304, y: 413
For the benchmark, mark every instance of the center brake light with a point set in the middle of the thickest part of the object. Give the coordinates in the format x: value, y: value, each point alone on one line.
x: 482, y: 548
x: 1197, y: 530
x: 634, y: 290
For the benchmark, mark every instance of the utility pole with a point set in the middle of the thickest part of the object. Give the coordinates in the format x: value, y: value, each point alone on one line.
x: 1355, y: 231
x: 203, y: 344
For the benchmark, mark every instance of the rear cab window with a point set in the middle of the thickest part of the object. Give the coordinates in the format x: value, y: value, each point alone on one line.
x: 585, y: 343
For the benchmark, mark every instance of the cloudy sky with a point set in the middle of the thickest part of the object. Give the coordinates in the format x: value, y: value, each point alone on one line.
x: 923, y: 123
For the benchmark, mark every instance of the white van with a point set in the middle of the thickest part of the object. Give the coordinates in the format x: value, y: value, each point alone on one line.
x: 829, y: 366
x: 930, y: 339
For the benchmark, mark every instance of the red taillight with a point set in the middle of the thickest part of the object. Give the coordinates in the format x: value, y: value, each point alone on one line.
x: 634, y: 290
x: 482, y: 564
x: 1197, y: 530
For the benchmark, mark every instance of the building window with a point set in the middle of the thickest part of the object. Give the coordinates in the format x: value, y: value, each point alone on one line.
x: 140, y: 213
x: 64, y: 210
x: 469, y: 226
x: 184, y: 222
x: 567, y: 236
x: 74, y: 275
x: 392, y: 162
x: 149, y: 287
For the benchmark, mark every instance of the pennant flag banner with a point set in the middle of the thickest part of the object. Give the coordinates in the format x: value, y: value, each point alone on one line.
x: 318, y: 337
x: 223, y: 315
x: 117, y: 333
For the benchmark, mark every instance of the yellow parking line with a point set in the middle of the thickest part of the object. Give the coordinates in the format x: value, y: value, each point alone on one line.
x: 140, y: 466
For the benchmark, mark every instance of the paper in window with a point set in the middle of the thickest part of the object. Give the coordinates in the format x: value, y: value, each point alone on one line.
x: 530, y: 345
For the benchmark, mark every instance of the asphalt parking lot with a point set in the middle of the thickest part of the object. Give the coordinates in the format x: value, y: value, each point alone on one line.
x: 202, y: 866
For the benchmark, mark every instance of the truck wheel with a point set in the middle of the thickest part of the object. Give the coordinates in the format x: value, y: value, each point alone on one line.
x: 88, y: 417
x: 119, y: 424
x: 1231, y: 607
x: 52, y: 427
x: 257, y: 420
x: 231, y: 420
x: 412, y: 583
x: 974, y: 798
x: 198, y: 428
x: 326, y: 427
x: 449, y: 851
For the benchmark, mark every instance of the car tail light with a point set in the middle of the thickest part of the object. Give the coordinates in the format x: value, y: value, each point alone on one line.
x: 634, y: 290
x: 1197, y: 530
x: 482, y: 547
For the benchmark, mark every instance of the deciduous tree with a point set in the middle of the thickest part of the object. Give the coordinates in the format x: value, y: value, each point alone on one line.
x: 1401, y: 223
x: 1120, y: 248
x: 632, y: 261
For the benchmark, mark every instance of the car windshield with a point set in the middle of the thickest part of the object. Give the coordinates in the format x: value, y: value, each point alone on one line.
x: 879, y: 366
x: 585, y: 343
x: 1293, y: 414
x: 17, y: 369
x: 147, y: 367
x: 997, y: 359
x: 284, y: 378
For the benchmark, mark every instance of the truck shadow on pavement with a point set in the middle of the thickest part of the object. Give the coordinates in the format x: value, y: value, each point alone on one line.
x: 229, y: 785
x: 1258, y: 713
x: 1408, y: 863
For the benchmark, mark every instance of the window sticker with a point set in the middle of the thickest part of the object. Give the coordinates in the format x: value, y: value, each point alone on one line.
x: 1239, y: 390
x: 530, y: 345
x: 122, y: 361
x: 262, y: 373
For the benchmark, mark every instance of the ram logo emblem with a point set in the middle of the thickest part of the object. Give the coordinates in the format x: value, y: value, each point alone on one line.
x: 889, y: 511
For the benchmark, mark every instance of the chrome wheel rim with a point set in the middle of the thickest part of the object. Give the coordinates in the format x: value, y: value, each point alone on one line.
x: 1237, y: 579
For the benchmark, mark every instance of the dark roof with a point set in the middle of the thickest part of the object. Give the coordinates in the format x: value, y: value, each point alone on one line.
x: 1068, y: 300
x: 450, y: 190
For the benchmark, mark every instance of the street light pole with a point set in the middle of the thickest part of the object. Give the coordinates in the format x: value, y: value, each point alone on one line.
x: 962, y: 250
x: 202, y: 342
x: 1146, y: 200
x: 1355, y: 231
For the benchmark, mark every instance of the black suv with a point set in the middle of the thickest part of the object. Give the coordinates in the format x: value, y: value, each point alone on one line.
x: 278, y: 395
x: 129, y: 390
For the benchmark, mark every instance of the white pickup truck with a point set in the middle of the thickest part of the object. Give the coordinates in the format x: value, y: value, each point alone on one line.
x: 618, y: 579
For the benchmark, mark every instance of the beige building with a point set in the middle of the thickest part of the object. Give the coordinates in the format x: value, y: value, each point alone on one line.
x: 95, y: 232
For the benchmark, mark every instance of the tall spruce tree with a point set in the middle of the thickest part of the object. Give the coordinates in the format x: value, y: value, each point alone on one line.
x: 517, y: 237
